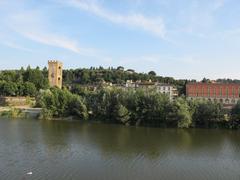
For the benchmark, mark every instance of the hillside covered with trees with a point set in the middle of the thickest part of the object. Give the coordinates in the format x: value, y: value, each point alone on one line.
x: 117, y: 76
x: 26, y: 82
x: 114, y: 105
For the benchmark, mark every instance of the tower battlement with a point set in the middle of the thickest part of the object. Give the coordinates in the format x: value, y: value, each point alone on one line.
x: 54, y: 61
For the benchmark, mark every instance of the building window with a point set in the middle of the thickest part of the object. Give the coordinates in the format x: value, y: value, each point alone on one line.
x: 227, y: 101
x: 199, y: 91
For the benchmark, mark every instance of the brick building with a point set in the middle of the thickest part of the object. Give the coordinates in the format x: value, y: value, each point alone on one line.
x: 226, y: 93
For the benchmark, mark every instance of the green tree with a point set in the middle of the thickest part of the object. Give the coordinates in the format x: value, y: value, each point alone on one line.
x: 29, y: 89
x: 179, y: 115
x: 208, y: 114
x: 152, y: 73
x: 235, y: 116
x: 61, y: 103
x: 77, y: 107
x: 36, y: 76
x: 9, y: 89
x: 122, y: 114
x: 85, y: 77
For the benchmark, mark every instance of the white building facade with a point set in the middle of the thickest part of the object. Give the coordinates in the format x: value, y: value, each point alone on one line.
x: 166, y: 89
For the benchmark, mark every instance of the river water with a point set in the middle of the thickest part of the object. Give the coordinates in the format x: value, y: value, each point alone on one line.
x: 57, y: 150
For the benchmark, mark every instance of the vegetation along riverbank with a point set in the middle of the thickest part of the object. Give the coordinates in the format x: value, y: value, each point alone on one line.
x: 114, y: 104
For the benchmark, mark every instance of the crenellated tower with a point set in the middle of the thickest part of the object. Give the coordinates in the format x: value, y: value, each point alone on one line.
x: 55, y: 73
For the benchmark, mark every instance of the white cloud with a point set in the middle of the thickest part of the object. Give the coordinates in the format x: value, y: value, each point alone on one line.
x: 199, y: 18
x: 33, y: 26
x: 16, y: 46
x: 153, y: 25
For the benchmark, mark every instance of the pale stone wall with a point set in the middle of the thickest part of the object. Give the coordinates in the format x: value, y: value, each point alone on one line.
x: 55, y: 73
x: 13, y: 101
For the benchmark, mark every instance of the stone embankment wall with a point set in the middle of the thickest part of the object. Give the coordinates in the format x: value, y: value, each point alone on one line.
x: 15, y: 101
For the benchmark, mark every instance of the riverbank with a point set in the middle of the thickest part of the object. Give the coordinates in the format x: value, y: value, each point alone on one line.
x: 19, y: 112
x: 24, y: 112
x: 35, y: 114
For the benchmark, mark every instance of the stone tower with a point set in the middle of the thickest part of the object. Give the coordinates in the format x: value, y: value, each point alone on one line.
x: 55, y: 73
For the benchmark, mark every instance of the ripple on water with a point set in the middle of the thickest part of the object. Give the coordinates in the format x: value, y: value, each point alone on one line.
x: 60, y: 151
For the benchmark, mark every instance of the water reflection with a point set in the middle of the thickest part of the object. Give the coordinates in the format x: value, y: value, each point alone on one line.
x: 122, y: 141
x: 73, y: 150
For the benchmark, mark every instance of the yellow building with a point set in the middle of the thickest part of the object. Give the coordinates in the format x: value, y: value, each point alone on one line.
x: 55, y: 73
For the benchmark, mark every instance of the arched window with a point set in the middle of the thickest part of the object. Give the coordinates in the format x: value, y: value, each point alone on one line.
x: 227, y: 101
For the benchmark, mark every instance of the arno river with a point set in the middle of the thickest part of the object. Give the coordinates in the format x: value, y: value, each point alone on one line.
x: 32, y: 149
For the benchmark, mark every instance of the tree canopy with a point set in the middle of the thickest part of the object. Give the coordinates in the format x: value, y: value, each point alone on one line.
x: 141, y: 108
x: 23, y: 82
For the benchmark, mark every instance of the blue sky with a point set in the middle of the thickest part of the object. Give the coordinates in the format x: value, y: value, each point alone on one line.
x: 182, y: 39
